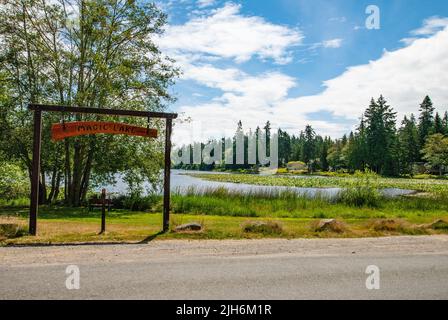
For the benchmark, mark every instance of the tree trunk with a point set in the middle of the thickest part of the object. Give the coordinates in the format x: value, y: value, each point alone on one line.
x: 42, y: 189
x: 53, y: 184
x: 57, y: 187
x: 67, y: 174
x: 87, y: 170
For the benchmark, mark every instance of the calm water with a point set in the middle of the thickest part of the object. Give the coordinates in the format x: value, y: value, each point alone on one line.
x: 180, y: 182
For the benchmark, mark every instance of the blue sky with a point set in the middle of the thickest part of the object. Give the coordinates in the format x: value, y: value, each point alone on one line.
x: 271, y: 60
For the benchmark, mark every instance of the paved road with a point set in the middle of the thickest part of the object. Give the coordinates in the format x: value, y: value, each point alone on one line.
x: 410, y: 268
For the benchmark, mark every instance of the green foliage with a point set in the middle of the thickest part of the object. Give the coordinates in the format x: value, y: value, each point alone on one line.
x: 426, y: 120
x: 84, y: 53
x: 14, y: 183
x: 380, y: 129
x: 436, y: 151
x: 363, y: 192
x: 136, y: 202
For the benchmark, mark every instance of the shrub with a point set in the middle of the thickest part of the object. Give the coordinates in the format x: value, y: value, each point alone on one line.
x: 136, y: 202
x: 13, y: 182
x: 363, y: 192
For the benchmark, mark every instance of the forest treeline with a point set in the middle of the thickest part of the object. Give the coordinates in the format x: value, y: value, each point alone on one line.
x: 379, y: 144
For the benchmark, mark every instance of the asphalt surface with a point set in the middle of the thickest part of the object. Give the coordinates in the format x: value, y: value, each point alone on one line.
x: 410, y: 268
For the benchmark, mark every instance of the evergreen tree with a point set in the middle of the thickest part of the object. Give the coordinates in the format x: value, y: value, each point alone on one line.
x: 445, y: 122
x: 381, y: 137
x: 426, y: 120
x: 284, y: 147
x: 408, y: 144
x: 438, y: 124
x: 324, y: 154
x: 309, y: 148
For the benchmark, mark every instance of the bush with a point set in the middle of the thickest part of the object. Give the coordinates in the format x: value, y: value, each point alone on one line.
x: 363, y: 193
x: 360, y: 197
x: 136, y: 202
x: 14, y: 183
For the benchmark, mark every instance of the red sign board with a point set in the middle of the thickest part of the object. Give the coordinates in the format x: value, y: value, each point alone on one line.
x: 60, y: 131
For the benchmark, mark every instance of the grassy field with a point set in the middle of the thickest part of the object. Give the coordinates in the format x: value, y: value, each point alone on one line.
x: 225, y: 214
x: 423, y: 185
x: 360, y: 211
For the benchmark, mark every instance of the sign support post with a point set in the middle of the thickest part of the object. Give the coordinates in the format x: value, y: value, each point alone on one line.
x: 166, y: 179
x: 35, y: 174
x: 103, y: 211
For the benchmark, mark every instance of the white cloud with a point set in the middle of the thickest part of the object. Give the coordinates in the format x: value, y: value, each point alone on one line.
x: 431, y: 26
x: 329, y: 44
x: 403, y: 76
x: 338, y: 19
x: 226, y: 33
x: 408, y: 41
x: 205, y: 3
x: 334, y: 43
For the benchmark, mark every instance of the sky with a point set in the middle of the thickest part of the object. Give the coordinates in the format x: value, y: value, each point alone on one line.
x: 298, y: 62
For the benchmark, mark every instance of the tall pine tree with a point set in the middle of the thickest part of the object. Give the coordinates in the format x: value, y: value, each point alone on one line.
x: 408, y: 144
x: 438, y: 124
x: 426, y: 120
x: 381, y: 137
x: 309, y: 147
x: 445, y: 122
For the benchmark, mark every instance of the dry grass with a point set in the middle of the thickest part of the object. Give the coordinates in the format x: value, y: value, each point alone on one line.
x: 143, y: 226
x: 12, y: 227
x: 387, y: 224
x: 263, y: 227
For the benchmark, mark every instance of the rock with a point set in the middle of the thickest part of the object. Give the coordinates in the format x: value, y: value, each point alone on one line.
x: 194, y: 226
x: 330, y: 225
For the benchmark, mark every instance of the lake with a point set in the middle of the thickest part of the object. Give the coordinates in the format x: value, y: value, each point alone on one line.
x: 181, y: 181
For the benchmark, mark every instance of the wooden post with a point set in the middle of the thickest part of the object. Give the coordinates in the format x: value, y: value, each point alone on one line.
x: 35, y: 174
x: 103, y: 211
x: 166, y: 179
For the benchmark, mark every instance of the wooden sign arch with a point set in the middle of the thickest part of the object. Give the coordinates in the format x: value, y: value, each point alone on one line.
x: 76, y: 128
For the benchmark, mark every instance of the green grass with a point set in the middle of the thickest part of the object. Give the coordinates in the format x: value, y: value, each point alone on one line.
x: 352, y: 204
x: 439, y: 186
x: 143, y: 227
x: 226, y: 214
